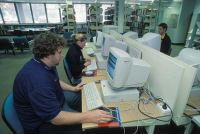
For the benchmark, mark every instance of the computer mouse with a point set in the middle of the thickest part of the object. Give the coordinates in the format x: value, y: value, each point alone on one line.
x: 88, y: 73
x: 106, y: 110
x: 91, y: 55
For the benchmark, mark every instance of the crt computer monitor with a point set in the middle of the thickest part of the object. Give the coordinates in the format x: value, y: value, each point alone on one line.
x: 124, y: 71
x: 131, y: 34
x: 191, y: 57
x: 110, y: 41
x: 116, y: 35
x: 99, y: 39
x: 152, y: 40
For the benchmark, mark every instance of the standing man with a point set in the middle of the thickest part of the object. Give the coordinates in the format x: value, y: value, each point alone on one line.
x: 165, y: 39
x: 44, y: 103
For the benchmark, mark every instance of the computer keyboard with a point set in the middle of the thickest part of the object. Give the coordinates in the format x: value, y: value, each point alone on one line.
x: 90, y: 51
x: 92, y: 66
x: 92, y: 96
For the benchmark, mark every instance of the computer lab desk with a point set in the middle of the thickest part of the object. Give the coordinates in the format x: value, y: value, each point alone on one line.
x: 189, y: 113
x: 129, y: 113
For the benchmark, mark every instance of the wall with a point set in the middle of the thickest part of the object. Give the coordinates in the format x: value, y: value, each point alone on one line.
x: 177, y: 15
x: 184, y: 21
x: 166, y: 10
x: 195, y: 12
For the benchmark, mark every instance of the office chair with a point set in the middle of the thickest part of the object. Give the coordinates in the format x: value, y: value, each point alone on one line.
x: 68, y: 72
x: 21, y: 43
x: 18, y: 32
x: 67, y: 37
x: 30, y: 36
x: 10, y: 117
x: 169, y: 51
x: 6, y: 45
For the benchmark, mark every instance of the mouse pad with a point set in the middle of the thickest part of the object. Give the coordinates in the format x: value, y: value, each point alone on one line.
x: 116, y: 120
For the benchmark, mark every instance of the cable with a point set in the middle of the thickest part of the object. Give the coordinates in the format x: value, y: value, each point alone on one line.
x: 194, y: 110
x: 155, y: 117
x: 191, y: 106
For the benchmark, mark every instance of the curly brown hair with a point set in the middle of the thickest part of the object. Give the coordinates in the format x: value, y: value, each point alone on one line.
x: 46, y: 44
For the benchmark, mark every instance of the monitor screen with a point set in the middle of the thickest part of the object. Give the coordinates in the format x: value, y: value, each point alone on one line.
x: 111, y: 64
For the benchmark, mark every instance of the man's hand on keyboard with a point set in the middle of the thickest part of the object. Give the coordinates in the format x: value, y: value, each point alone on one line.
x: 79, y: 87
x: 99, y: 116
x: 87, y: 63
x: 88, y: 60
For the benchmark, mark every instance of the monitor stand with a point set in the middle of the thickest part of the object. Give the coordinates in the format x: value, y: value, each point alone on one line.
x: 111, y: 95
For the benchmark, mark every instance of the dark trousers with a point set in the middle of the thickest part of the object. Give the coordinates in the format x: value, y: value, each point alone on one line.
x: 72, y: 104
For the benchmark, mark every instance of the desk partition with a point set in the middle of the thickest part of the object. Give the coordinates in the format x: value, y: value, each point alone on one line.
x: 169, y: 78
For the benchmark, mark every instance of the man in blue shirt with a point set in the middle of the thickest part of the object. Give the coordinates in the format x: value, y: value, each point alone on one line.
x: 39, y: 97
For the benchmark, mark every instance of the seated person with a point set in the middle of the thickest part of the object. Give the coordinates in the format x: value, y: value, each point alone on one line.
x: 75, y: 57
x: 45, y: 104
x: 165, y: 39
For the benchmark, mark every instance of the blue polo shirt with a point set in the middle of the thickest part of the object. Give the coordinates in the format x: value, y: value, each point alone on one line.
x: 38, y: 97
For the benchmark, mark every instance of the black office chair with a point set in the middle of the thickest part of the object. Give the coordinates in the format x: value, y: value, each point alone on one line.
x: 21, y: 43
x: 67, y: 37
x: 18, y: 32
x: 31, y: 35
x: 169, y: 52
x: 6, y: 45
x: 68, y: 73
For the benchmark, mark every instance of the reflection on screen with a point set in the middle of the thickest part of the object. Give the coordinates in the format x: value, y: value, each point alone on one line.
x: 111, y: 64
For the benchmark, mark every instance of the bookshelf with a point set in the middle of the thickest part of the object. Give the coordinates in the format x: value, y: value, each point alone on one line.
x: 94, y: 18
x: 143, y: 20
x: 109, y: 16
x: 69, y: 23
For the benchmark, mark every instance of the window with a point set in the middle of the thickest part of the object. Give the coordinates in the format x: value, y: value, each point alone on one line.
x: 1, y: 21
x: 104, y: 7
x: 9, y: 13
x: 24, y: 12
x: 61, y: 9
x: 80, y: 13
x: 39, y: 14
x: 53, y: 13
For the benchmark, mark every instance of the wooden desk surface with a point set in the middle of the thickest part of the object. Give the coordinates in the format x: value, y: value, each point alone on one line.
x: 194, y: 101
x: 128, y: 110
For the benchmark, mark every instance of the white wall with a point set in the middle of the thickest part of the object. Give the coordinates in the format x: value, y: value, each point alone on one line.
x: 177, y: 31
x: 166, y: 9
x: 184, y: 21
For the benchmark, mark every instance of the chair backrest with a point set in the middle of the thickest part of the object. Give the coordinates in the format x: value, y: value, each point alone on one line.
x: 67, y: 71
x: 9, y: 115
x: 67, y: 35
x: 169, y: 52
x: 5, y: 44
x: 18, y: 32
x: 21, y: 42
